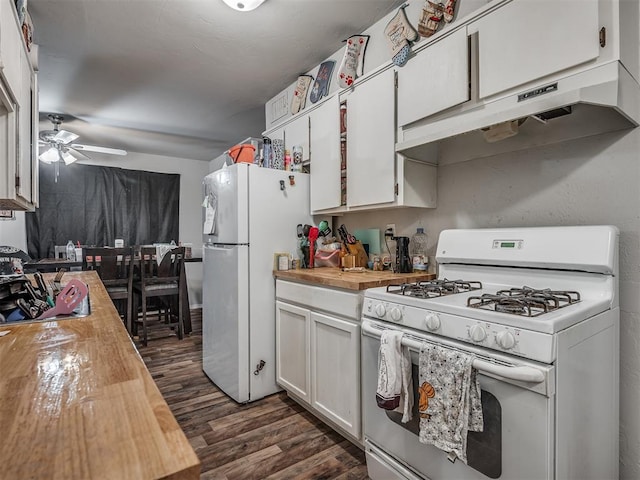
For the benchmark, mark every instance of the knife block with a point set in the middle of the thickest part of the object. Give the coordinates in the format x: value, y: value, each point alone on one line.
x: 357, y: 250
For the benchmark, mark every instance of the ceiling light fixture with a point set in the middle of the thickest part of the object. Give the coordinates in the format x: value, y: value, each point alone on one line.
x: 50, y: 156
x: 244, y: 5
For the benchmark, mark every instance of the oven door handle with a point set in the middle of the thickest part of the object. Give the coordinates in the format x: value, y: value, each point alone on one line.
x: 520, y: 373
x: 524, y: 374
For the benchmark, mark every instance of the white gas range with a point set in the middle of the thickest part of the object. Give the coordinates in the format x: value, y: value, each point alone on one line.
x: 538, y: 308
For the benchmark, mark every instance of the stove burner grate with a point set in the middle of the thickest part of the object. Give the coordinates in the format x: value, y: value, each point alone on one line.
x: 525, y: 301
x: 434, y: 288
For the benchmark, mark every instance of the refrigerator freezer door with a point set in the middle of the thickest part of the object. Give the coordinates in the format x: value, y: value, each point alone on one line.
x: 229, y: 185
x: 276, y: 205
x: 225, y: 319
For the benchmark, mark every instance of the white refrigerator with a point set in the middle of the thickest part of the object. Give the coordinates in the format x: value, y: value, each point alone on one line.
x: 256, y: 214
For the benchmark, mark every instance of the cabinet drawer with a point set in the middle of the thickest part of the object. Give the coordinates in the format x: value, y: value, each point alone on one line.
x: 340, y: 302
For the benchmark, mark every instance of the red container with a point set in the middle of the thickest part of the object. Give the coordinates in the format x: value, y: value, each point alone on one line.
x: 244, y: 153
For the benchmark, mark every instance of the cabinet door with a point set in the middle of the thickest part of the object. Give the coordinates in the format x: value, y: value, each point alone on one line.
x: 371, y: 141
x: 297, y: 133
x: 10, y: 47
x: 524, y: 40
x: 436, y: 79
x: 25, y: 160
x: 335, y: 370
x: 325, y: 155
x: 292, y: 352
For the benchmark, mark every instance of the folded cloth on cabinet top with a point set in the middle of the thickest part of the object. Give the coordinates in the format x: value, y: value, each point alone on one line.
x: 395, y: 385
x: 450, y: 400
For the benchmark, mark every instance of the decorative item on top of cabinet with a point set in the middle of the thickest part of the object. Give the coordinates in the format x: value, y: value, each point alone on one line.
x: 352, y: 65
x: 323, y: 79
x: 300, y: 93
x: 400, y: 35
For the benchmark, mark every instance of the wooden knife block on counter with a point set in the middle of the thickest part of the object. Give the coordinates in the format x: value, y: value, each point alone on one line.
x: 357, y: 257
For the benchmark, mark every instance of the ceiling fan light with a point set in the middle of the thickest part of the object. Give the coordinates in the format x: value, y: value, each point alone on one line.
x: 50, y: 156
x: 68, y: 158
x: 64, y: 136
x: 244, y: 5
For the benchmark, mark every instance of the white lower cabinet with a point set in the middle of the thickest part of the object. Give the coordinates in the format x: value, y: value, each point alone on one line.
x: 292, y: 349
x: 335, y: 370
x: 318, y: 352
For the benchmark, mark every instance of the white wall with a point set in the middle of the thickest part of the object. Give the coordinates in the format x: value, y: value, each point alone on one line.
x: 13, y: 232
x: 190, y: 227
x: 589, y: 181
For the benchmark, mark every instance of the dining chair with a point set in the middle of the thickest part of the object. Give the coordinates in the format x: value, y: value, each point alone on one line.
x: 161, y: 278
x: 115, y: 268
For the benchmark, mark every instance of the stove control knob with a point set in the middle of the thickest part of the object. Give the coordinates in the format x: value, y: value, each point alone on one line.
x: 380, y: 310
x: 432, y: 321
x: 506, y: 340
x: 396, y: 314
x: 477, y: 333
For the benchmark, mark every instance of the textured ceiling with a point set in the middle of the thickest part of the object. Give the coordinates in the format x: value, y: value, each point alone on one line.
x: 183, y: 78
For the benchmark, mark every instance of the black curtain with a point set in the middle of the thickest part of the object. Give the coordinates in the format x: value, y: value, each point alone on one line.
x: 94, y: 205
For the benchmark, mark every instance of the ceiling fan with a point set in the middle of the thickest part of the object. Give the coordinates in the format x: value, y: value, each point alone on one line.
x: 61, y: 146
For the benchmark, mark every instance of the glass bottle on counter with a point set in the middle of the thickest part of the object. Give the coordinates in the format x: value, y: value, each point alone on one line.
x: 418, y: 246
x: 71, y: 251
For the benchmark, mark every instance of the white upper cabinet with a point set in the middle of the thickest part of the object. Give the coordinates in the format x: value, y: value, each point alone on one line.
x: 371, y: 141
x: 18, y: 117
x: 325, y: 153
x: 525, y: 40
x: 436, y: 79
x: 296, y: 133
x: 27, y: 163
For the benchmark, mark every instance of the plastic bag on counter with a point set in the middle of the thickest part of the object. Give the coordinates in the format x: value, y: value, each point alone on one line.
x: 327, y: 259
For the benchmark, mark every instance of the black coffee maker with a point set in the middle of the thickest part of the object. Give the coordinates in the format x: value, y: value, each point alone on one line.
x: 403, y: 260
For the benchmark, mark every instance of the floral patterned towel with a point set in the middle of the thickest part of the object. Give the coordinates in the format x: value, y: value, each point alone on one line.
x: 450, y: 403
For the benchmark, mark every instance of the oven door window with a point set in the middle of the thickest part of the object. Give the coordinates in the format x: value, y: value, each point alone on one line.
x: 484, y: 449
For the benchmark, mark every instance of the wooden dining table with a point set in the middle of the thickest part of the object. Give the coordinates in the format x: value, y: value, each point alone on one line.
x: 47, y: 265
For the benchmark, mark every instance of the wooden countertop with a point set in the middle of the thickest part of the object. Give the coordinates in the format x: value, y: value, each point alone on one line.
x: 77, y: 402
x: 334, y: 277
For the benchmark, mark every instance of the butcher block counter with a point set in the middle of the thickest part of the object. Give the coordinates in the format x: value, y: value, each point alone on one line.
x: 77, y: 402
x: 335, y: 277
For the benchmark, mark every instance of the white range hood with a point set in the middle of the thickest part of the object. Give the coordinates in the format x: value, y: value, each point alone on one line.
x: 601, y: 99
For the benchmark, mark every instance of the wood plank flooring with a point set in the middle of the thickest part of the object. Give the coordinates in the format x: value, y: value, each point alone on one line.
x: 273, y: 438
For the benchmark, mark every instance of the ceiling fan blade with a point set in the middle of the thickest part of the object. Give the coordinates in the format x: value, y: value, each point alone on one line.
x: 64, y: 137
x: 79, y: 154
x: 93, y: 148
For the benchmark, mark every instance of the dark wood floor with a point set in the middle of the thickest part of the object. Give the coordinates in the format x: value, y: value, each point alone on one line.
x: 272, y: 438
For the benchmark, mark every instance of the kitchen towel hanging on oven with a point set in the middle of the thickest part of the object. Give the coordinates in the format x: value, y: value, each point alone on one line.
x: 449, y: 399
x: 395, y: 385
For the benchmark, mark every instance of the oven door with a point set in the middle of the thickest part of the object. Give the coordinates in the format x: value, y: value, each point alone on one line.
x: 517, y: 405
